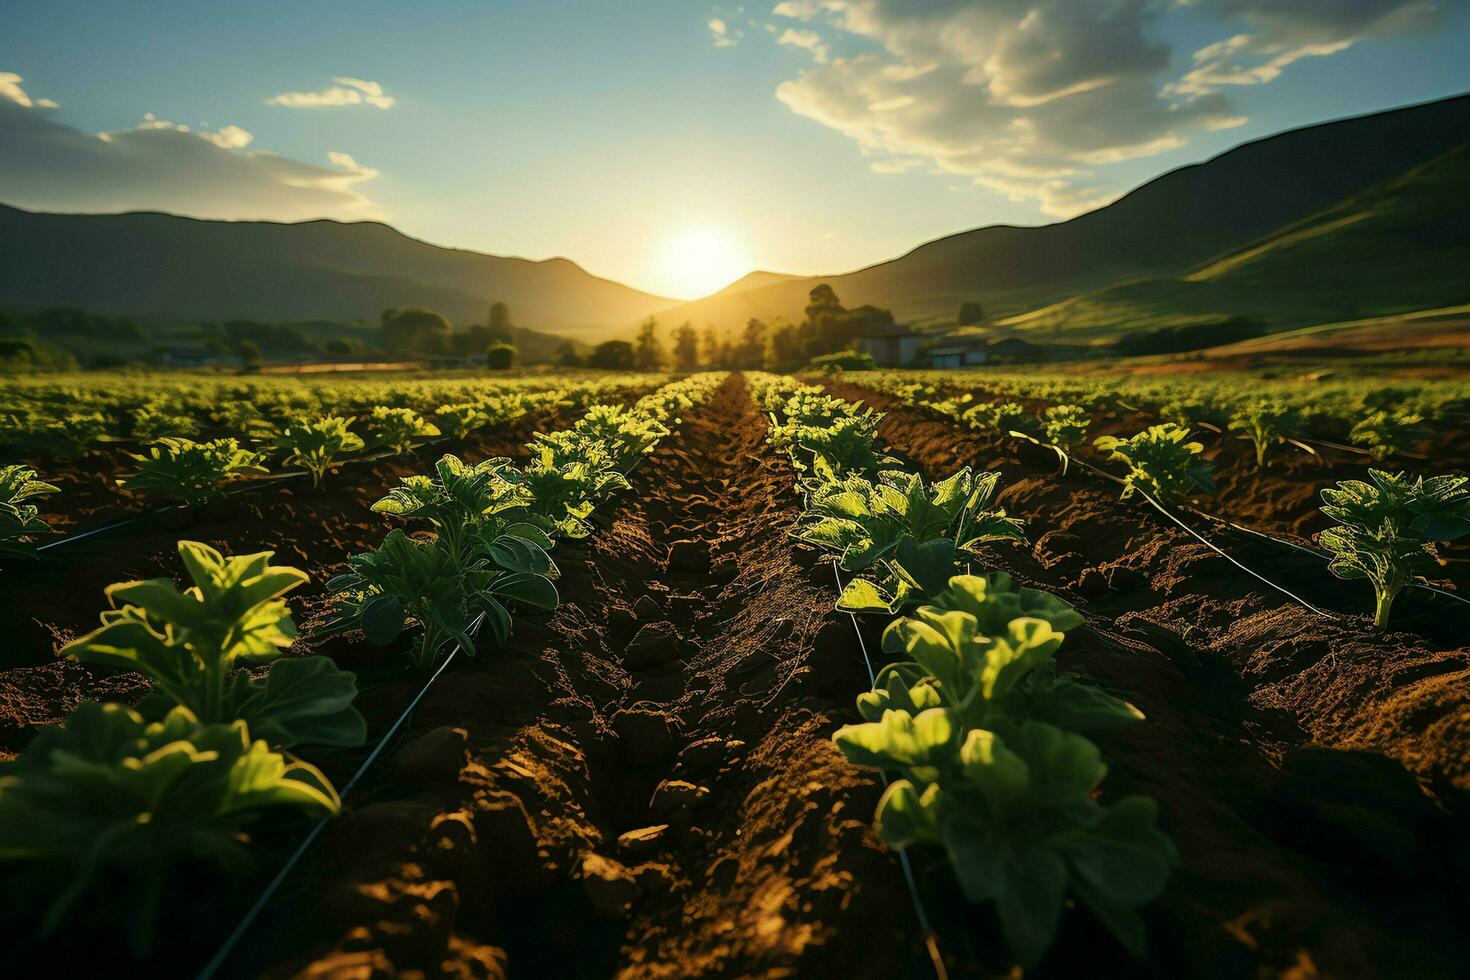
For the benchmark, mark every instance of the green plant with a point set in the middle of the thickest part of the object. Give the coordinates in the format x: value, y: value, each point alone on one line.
x: 997, y: 418
x: 843, y: 448
x: 154, y: 422
x: 399, y: 428
x: 315, y: 444
x: 18, y: 519
x: 1266, y: 421
x: 909, y: 536
x: 190, y: 645
x: 1065, y: 425
x: 1387, y: 528
x: 193, y: 473
x: 1161, y: 463
x: 72, y: 435
x: 108, y: 804
x: 843, y: 360
x: 442, y: 591
x: 460, y: 420
x: 1387, y: 433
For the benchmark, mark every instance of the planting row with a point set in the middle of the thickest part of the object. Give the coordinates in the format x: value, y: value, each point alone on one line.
x: 115, y: 803
x: 1385, y: 529
x: 986, y: 738
x: 179, y: 470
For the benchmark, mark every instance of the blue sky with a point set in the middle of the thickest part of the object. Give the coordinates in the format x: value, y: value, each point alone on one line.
x: 657, y: 148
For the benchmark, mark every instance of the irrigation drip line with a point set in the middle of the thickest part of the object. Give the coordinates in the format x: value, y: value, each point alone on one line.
x: 931, y: 939
x: 265, y: 896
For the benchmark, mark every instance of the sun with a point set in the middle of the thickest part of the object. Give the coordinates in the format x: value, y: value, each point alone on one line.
x: 697, y: 261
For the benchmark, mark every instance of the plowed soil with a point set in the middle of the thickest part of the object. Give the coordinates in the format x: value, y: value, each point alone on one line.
x: 642, y: 784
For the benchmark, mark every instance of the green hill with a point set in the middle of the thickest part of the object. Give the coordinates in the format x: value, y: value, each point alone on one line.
x: 1401, y: 245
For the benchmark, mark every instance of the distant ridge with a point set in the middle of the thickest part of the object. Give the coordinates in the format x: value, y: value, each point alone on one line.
x: 164, y: 267
x: 1167, y: 225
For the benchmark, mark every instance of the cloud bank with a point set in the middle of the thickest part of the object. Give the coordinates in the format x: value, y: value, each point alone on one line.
x: 1034, y: 100
x: 163, y: 166
x: 347, y: 91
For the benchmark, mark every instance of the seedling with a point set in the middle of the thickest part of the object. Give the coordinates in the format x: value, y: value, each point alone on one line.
x: 19, y: 519
x: 1266, y: 422
x: 399, y: 428
x: 316, y: 444
x: 1161, y: 463
x: 193, y: 473
x: 1384, y: 434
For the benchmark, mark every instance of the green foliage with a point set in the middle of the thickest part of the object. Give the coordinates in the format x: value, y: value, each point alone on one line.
x: 315, y: 444
x: 1160, y: 462
x: 1266, y: 421
x: 190, y: 645
x: 154, y: 422
x: 904, y: 537
x: 1387, y: 528
x: 458, y: 421
x: 975, y: 724
x: 500, y: 356
x: 104, y: 807
x: 997, y: 418
x: 19, y: 519
x: 843, y: 360
x: 1065, y: 425
x: 1385, y: 433
x: 193, y: 473
x: 844, y: 448
x: 72, y: 435
x: 399, y: 428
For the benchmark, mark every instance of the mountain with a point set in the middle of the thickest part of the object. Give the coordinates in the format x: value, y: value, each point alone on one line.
x: 1400, y: 245
x: 167, y: 268
x: 1171, y: 223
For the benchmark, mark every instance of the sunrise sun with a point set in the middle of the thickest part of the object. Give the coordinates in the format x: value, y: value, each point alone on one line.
x: 697, y: 261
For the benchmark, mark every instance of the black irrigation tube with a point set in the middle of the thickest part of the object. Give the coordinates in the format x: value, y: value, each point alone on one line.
x: 261, y: 902
x: 931, y: 938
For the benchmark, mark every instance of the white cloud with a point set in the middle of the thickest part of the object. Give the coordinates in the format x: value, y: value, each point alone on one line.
x: 1035, y: 99
x: 723, y: 34
x: 10, y: 90
x: 347, y: 91
x: 802, y: 38
x: 165, y: 166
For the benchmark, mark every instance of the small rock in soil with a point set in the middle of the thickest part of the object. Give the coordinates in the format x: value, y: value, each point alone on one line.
x: 610, y: 887
x: 673, y: 795
x: 654, y: 879
x: 644, y: 839
x: 646, y: 736
x: 1092, y: 583
x: 646, y: 609
x: 689, y: 556
x: 436, y: 756
x: 661, y: 685
x: 725, y: 570
x: 654, y: 644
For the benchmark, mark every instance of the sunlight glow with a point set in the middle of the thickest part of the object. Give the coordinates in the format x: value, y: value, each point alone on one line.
x: 698, y: 261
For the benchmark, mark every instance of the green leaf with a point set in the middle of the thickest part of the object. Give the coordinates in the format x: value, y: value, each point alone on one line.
x: 303, y: 700
x: 383, y: 619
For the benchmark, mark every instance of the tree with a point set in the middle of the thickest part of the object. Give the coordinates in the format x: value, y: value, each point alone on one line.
x: 249, y: 352
x: 500, y: 327
x: 614, y: 355
x: 500, y: 356
x: 970, y: 313
x: 415, y: 331
x: 785, y: 352
x: 649, y: 354
x: 750, y: 355
x: 686, y: 348
x: 567, y: 356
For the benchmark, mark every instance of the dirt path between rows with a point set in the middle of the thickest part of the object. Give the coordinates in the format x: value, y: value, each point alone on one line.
x: 643, y: 785
x: 1271, y: 733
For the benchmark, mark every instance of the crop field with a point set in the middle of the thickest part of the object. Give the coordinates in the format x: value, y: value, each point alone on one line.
x: 869, y: 673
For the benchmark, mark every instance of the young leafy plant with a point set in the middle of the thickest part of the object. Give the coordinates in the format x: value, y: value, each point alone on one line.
x: 72, y: 435
x: 399, y: 428
x: 1065, y: 425
x: 191, y: 644
x: 1385, y: 433
x: 1387, y: 529
x: 1266, y: 422
x: 154, y: 422
x: 441, y: 591
x: 901, y: 539
x: 19, y: 519
x: 106, y: 805
x: 997, y: 418
x: 1161, y: 462
x: 316, y: 444
x: 459, y: 420
x: 193, y: 473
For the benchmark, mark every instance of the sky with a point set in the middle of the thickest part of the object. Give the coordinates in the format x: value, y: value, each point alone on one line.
x: 674, y: 145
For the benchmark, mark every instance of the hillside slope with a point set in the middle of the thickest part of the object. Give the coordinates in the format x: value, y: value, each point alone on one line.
x: 1401, y: 245
x: 164, y: 267
x: 1171, y: 223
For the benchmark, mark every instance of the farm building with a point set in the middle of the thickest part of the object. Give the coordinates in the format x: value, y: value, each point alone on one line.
x: 956, y: 351
x: 891, y: 344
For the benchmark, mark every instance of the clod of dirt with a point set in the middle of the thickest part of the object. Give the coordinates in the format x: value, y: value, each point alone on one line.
x: 646, y: 609
x: 609, y: 886
x: 654, y: 879
x: 702, y: 755
x: 435, y: 757
x: 646, y: 736
x: 1093, y: 583
x: 644, y: 839
x: 674, y: 795
x: 653, y: 645
x: 1059, y: 551
x: 725, y: 569
x: 689, y: 556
